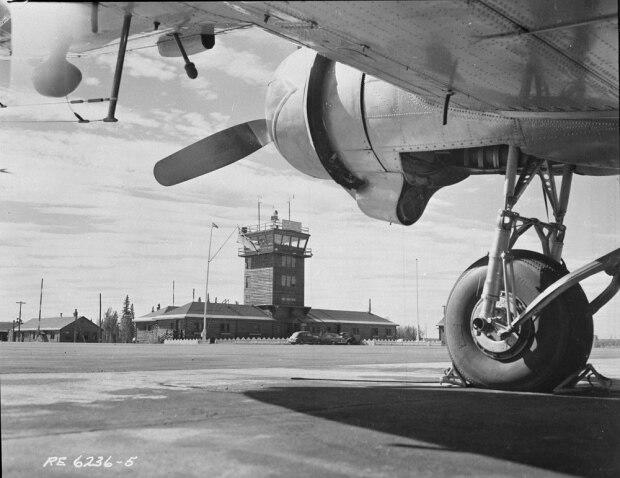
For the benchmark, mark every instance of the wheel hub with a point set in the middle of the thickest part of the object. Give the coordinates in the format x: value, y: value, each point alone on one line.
x: 487, y: 334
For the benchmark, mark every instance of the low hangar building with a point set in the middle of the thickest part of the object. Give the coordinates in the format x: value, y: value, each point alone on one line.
x: 223, y: 320
x: 58, y: 329
x: 237, y: 320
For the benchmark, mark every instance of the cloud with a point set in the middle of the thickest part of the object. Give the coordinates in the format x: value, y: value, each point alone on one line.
x: 143, y: 65
x: 92, y: 81
x: 204, y: 88
x: 243, y: 65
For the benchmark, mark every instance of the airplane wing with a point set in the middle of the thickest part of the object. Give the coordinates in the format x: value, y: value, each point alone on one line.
x: 494, y: 55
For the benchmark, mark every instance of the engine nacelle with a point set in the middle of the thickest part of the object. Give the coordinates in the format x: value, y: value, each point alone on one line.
x: 317, y: 112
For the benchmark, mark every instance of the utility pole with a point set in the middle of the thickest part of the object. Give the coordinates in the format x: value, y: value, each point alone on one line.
x: 19, y: 319
x: 204, y: 313
x: 259, y: 213
x: 40, y: 302
x: 172, y: 292
x: 417, y: 302
x: 193, y: 294
x: 99, y: 330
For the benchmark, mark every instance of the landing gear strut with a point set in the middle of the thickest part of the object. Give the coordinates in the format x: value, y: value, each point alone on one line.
x: 501, y: 332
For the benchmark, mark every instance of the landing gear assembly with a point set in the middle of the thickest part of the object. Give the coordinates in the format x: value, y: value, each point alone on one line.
x: 517, y: 319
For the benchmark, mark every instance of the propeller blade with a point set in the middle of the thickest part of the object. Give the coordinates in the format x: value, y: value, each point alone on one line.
x: 211, y: 153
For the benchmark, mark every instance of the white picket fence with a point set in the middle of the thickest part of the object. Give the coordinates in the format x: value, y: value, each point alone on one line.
x: 279, y: 341
x: 253, y: 340
x: 256, y: 340
x: 181, y: 342
x: 396, y: 342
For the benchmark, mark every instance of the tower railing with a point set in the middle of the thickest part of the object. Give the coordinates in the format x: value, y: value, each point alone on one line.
x: 246, y: 251
x: 268, y: 226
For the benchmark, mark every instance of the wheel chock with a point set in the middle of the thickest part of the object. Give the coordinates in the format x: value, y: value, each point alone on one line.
x: 595, y: 380
x: 453, y: 377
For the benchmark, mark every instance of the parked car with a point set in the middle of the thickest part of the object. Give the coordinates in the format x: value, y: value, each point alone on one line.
x: 350, y: 339
x: 303, y: 337
x: 330, y: 338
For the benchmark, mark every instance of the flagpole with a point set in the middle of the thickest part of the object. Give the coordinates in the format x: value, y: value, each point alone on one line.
x: 40, y: 302
x: 417, y: 302
x: 204, y: 313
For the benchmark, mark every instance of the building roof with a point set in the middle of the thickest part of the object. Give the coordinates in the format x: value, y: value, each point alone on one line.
x: 49, y: 323
x: 346, y: 316
x: 195, y: 310
x: 6, y: 326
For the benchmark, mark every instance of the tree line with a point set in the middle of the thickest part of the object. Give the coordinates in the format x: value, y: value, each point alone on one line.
x: 408, y: 332
x: 119, y: 331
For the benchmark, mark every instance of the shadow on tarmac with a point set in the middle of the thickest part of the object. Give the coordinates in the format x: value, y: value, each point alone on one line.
x: 573, y: 435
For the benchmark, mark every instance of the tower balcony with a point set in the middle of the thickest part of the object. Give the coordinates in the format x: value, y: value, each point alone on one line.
x: 270, y: 248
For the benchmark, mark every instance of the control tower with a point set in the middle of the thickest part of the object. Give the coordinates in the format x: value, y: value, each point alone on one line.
x: 274, y: 262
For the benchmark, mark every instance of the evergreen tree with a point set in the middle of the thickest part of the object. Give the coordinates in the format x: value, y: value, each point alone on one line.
x: 110, y: 325
x: 127, y: 326
x: 408, y: 332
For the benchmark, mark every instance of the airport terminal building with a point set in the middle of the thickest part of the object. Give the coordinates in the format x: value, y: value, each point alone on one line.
x: 274, y: 255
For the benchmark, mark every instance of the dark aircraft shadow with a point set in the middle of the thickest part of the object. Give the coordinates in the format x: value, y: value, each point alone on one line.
x: 574, y: 435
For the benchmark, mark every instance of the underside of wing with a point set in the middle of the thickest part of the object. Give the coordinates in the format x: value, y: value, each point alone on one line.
x: 492, y: 55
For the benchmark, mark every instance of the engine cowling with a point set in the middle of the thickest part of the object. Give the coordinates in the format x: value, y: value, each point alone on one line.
x: 317, y: 117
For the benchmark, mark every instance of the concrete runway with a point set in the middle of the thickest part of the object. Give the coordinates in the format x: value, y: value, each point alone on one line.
x: 277, y: 410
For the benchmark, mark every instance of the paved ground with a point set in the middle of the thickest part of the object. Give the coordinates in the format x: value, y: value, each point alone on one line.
x: 261, y: 410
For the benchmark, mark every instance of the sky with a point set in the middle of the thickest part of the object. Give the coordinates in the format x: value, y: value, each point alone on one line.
x: 81, y: 210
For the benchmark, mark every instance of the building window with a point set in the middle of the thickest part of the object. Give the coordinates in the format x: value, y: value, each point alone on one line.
x: 283, y: 281
x: 286, y: 240
x: 277, y: 238
x: 51, y: 335
x: 284, y: 264
x: 375, y: 332
x: 294, y: 241
x: 293, y: 281
x: 388, y: 331
x: 302, y: 243
x: 292, y: 261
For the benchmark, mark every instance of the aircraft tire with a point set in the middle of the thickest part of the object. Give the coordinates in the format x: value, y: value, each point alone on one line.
x: 555, y: 346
